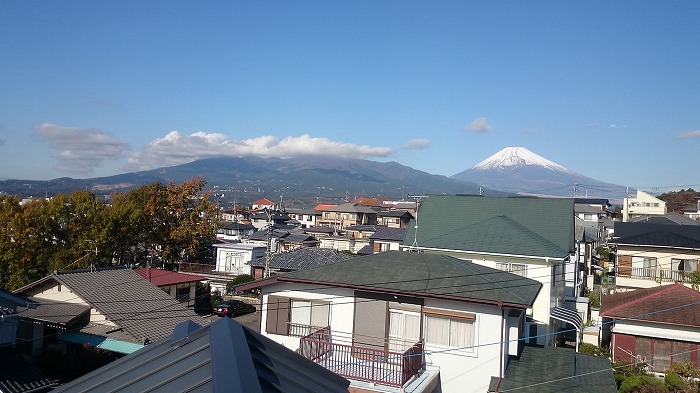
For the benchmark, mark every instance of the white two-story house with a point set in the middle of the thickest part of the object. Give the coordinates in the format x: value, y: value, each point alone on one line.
x: 401, y: 321
x: 530, y: 237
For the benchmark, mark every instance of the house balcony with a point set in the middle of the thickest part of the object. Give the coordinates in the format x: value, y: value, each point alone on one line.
x: 376, y: 366
x: 651, y: 276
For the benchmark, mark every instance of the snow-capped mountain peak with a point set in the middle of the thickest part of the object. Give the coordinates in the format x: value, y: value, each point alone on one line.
x: 517, y: 156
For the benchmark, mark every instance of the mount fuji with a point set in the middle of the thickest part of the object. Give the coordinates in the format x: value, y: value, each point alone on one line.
x: 518, y: 170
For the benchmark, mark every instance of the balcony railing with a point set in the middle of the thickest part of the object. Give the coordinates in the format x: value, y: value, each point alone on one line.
x: 363, y: 364
x: 660, y: 275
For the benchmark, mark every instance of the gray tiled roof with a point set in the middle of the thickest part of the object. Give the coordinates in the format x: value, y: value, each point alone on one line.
x: 59, y: 313
x: 129, y: 300
x: 429, y: 274
x: 303, y: 258
x: 555, y: 370
x: 666, y: 235
x: 384, y: 233
x: 221, y: 357
x: 542, y: 227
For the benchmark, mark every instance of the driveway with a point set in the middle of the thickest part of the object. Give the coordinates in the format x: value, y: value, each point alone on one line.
x: 251, y: 320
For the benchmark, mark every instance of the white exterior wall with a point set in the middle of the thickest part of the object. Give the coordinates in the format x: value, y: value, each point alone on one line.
x: 642, y: 205
x: 235, y: 258
x: 61, y: 293
x: 461, y: 370
x: 638, y: 328
x: 663, y: 259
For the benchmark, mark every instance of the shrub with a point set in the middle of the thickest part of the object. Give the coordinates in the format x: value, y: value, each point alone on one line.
x: 591, y: 349
x: 643, y: 383
x: 242, y: 279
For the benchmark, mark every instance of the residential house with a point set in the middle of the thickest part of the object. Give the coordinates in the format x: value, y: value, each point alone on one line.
x: 347, y: 214
x: 234, y: 231
x: 263, y: 204
x: 113, y: 308
x: 360, y: 231
x: 306, y: 218
x: 181, y: 287
x: 221, y: 357
x: 416, y: 321
x: 649, y: 254
x: 17, y: 375
x: 234, y: 258
x: 344, y: 243
x: 692, y: 211
x: 319, y: 232
x: 394, y: 218
x: 531, y: 237
x: 654, y: 326
x: 386, y: 239
x: 642, y: 205
x: 264, y: 218
x: 302, y: 258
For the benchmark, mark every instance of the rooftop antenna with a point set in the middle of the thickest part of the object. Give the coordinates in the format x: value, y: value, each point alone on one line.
x: 418, y: 200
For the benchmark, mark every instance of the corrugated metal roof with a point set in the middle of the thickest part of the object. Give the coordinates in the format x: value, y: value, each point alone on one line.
x: 160, y: 277
x: 221, y: 357
x: 17, y: 375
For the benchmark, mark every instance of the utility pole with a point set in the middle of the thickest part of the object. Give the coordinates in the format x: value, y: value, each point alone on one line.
x: 268, y: 253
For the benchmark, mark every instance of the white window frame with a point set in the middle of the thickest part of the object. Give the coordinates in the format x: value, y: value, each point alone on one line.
x: 513, y: 267
x: 470, y: 346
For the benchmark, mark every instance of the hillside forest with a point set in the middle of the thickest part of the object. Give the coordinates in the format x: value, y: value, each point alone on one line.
x: 156, y: 224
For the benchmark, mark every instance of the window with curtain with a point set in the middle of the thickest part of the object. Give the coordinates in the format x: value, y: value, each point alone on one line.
x: 404, y: 329
x: 449, y: 331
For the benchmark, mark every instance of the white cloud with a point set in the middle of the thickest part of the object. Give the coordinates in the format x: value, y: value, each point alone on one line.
x: 617, y: 125
x: 417, y: 144
x: 175, y: 148
x: 689, y: 134
x: 81, y: 150
x: 479, y: 125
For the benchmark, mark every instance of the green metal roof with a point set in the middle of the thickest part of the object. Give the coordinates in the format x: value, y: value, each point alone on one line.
x: 427, y: 274
x: 528, y: 226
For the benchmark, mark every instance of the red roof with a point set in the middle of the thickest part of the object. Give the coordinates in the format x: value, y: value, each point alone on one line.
x: 323, y: 207
x: 160, y: 277
x: 673, y: 304
x: 264, y: 201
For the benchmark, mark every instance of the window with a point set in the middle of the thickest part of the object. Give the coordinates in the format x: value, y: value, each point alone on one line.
x: 404, y: 329
x: 685, y: 265
x: 328, y: 216
x: 449, y: 331
x: 183, y: 294
x: 295, y: 317
x: 308, y: 316
x: 515, y: 268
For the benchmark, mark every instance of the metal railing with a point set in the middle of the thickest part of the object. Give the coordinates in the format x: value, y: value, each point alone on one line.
x: 364, y: 364
x: 655, y: 274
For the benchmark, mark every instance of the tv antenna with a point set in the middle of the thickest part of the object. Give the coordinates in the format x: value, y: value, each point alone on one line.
x: 418, y: 199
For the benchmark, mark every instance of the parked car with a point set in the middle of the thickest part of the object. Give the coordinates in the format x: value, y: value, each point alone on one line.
x: 232, y: 308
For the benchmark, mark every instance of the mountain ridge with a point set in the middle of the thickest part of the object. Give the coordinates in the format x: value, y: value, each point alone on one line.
x: 307, y: 179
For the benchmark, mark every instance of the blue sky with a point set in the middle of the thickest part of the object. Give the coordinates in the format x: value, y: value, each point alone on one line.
x: 610, y: 90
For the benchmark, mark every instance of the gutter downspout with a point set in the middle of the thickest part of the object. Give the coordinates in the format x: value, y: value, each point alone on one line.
x: 500, y: 368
